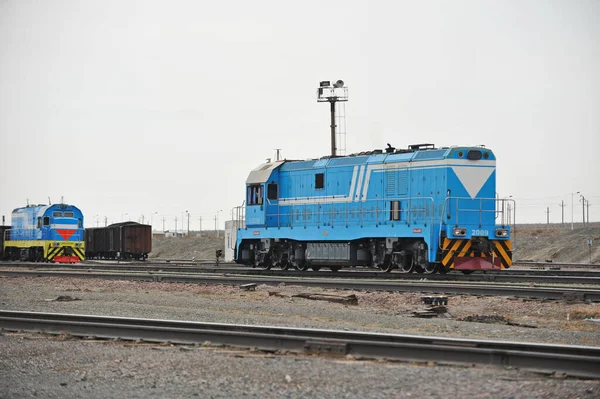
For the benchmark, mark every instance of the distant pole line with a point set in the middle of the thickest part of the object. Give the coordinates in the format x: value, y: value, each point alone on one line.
x: 583, y: 209
x: 588, y: 214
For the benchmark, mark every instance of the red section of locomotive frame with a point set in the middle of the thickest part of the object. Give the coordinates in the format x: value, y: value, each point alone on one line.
x: 65, y: 259
x: 65, y: 234
x: 468, y: 263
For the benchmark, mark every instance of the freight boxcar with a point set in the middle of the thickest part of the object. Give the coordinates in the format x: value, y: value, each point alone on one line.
x: 127, y: 240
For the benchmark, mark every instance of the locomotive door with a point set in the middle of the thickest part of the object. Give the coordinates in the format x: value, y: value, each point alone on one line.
x: 272, y: 205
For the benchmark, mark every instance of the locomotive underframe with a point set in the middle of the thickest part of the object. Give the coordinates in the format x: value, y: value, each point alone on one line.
x: 404, y: 254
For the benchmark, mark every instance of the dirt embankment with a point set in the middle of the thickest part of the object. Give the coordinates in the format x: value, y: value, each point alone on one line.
x: 557, y: 243
x: 186, y: 247
x: 531, y: 242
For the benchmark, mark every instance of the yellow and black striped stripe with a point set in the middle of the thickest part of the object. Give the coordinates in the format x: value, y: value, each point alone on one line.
x: 79, y: 252
x: 52, y: 252
x: 452, y: 249
x: 62, y: 250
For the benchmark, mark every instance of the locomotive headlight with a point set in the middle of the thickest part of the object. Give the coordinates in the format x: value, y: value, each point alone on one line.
x: 55, y: 244
x: 459, y: 231
x: 501, y: 233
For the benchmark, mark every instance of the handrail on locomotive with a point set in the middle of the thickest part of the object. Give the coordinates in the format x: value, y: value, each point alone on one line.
x: 498, y: 210
x: 412, y: 213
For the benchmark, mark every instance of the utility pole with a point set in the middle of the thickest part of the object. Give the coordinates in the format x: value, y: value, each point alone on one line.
x: 200, y: 220
x: 583, y: 208
x: 105, y: 221
x: 562, y: 220
x: 142, y: 218
x: 548, y: 215
x: 509, y: 209
x: 216, y: 222
x: 175, y: 226
x: 572, y: 208
x: 588, y: 213
x: 163, y: 224
x: 188, y: 214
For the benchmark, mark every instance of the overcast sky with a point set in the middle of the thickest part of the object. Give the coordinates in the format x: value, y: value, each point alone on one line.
x: 131, y: 108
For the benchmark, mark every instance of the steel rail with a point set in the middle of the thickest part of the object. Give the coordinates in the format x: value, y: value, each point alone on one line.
x: 515, y: 263
x: 579, y: 361
x: 211, y: 262
x: 557, y: 264
x: 504, y: 276
x: 551, y: 293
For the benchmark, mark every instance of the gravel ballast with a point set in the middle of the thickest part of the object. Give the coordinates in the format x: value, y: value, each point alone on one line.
x: 31, y: 364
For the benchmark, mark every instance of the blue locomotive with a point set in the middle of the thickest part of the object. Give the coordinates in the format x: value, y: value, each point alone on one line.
x: 422, y: 209
x: 45, y: 233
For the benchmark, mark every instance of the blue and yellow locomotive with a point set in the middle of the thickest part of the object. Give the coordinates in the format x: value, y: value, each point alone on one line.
x: 45, y: 233
x: 422, y: 209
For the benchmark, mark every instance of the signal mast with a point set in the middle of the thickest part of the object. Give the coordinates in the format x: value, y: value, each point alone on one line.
x: 332, y: 94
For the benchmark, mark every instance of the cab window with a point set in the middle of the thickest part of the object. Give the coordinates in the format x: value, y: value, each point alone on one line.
x: 39, y: 222
x: 46, y: 221
x: 69, y: 214
x: 255, y: 194
x: 320, y: 180
x: 57, y: 214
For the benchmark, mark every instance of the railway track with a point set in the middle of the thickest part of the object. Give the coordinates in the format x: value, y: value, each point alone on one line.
x: 461, y: 288
x: 505, y: 276
x: 577, y: 361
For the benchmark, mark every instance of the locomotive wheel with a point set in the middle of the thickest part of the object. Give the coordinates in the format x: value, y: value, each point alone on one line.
x: 316, y: 268
x: 387, y: 265
x: 334, y: 268
x: 302, y: 265
x: 406, y: 267
x: 265, y: 265
x: 429, y: 268
x: 264, y: 262
x: 284, y: 264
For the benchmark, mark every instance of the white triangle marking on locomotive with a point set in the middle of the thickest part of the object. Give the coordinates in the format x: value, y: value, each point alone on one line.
x: 472, y: 178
